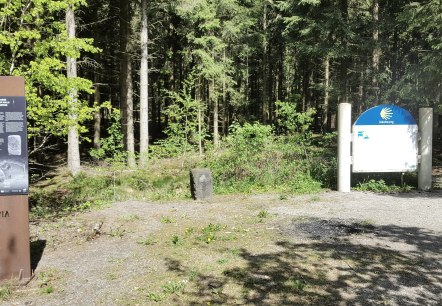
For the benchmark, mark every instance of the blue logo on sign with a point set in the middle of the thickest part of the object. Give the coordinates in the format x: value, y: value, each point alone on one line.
x: 386, y: 115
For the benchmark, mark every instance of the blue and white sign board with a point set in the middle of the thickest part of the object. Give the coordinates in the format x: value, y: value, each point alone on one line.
x: 385, y: 139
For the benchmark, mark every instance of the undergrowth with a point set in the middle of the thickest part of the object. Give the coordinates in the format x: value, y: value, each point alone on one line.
x: 96, y: 187
x: 380, y: 186
x: 253, y: 158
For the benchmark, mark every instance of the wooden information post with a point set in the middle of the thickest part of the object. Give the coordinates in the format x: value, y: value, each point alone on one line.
x: 15, y: 259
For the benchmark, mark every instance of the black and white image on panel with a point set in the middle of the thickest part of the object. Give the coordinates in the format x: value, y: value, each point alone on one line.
x: 14, y: 145
x: 14, y: 177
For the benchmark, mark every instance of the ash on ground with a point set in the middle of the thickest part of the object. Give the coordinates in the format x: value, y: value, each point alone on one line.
x: 319, y: 229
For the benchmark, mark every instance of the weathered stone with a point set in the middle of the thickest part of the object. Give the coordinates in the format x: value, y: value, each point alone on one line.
x: 201, y: 185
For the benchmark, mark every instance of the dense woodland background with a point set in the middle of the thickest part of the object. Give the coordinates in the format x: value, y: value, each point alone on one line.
x: 135, y: 80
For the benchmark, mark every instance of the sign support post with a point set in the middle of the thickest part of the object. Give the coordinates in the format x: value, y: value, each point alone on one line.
x: 425, y: 148
x: 15, y: 259
x: 344, y: 147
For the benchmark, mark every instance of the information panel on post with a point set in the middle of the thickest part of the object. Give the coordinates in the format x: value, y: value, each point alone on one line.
x: 13, y: 146
x: 385, y: 139
x: 15, y: 256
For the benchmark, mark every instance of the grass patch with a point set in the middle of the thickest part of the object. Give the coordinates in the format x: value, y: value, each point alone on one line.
x: 47, y: 279
x: 147, y: 241
x: 118, y: 232
x: 5, y: 292
x: 210, y: 232
x: 96, y: 187
x: 167, y: 220
x: 177, y: 240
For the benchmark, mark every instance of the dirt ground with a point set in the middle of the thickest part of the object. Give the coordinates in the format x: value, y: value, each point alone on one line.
x: 324, y: 249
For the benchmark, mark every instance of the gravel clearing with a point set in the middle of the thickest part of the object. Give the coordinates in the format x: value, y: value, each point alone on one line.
x: 369, y: 249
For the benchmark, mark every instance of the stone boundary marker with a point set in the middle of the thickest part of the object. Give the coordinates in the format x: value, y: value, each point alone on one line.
x: 201, y: 186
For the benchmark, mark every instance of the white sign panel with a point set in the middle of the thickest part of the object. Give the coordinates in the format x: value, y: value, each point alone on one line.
x: 385, y: 139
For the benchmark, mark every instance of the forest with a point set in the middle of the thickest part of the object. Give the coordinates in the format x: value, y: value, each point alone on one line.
x: 137, y: 81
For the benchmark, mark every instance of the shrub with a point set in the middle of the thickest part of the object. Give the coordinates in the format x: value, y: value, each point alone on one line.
x: 255, y: 159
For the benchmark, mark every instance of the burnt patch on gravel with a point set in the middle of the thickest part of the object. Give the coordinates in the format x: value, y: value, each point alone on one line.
x: 319, y: 229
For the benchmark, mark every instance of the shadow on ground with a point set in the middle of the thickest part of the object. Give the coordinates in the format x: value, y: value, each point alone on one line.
x: 37, y: 249
x: 331, y: 270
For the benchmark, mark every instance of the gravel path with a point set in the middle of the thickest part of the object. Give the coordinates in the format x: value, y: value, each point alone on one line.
x: 380, y: 249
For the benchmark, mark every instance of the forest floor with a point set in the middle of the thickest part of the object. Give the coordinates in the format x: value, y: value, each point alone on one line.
x: 324, y: 249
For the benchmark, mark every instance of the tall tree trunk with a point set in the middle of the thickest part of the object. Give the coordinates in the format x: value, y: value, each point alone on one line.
x: 376, y: 51
x: 131, y: 162
x: 144, y: 87
x: 200, y: 131
x: 394, y: 64
x: 344, y: 60
x: 124, y: 58
x: 215, y: 102
x: 224, y: 110
x: 97, y: 114
x: 264, y: 67
x: 73, y: 141
x: 126, y: 87
x: 326, y: 92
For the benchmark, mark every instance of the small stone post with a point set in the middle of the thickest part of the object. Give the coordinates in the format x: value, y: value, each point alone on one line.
x: 201, y: 186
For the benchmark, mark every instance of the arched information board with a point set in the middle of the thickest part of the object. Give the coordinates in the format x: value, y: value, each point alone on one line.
x: 385, y: 139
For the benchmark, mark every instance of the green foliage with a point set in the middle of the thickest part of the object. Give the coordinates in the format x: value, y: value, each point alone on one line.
x: 162, y: 180
x: 377, y: 186
x: 249, y: 137
x: 118, y: 232
x: 177, y: 240
x: 256, y: 160
x: 34, y: 44
x: 186, y: 126
x: 297, y: 284
x: 293, y: 123
x: 5, y: 292
x: 421, y: 81
x: 209, y: 233
x: 166, y: 220
x: 156, y: 297
x: 173, y: 287
x: 263, y: 214
x: 46, y: 278
x: 111, y: 147
x: 147, y: 241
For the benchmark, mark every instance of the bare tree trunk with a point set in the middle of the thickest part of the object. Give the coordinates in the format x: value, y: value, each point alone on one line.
x: 376, y: 50
x: 124, y: 58
x: 200, y: 131
x: 224, y: 123
x: 97, y: 115
x: 126, y: 87
x: 131, y: 162
x: 344, y: 66
x: 326, y: 92
x: 215, y: 113
x: 264, y: 67
x: 144, y: 87
x: 73, y: 141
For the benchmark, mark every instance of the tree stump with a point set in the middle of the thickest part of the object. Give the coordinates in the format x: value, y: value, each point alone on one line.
x: 201, y: 186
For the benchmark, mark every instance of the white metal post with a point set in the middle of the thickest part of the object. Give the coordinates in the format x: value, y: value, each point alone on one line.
x: 425, y: 148
x: 344, y: 147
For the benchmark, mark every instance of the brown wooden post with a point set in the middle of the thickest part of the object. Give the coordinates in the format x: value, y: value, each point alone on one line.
x: 15, y: 259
